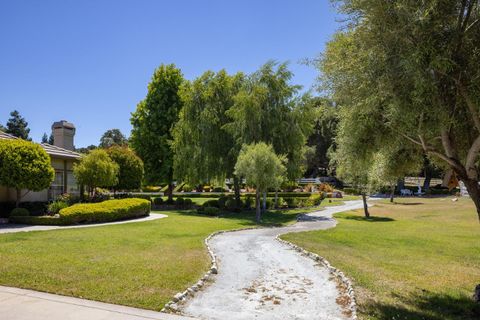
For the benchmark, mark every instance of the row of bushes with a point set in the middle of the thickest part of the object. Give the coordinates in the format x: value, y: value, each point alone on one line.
x: 107, y: 211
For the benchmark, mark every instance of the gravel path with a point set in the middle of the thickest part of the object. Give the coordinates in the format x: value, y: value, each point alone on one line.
x: 261, y: 278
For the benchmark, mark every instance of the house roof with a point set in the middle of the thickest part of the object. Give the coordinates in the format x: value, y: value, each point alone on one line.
x: 53, y: 151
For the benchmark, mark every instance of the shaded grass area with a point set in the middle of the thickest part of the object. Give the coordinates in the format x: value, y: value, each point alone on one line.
x: 138, y: 264
x: 415, y: 259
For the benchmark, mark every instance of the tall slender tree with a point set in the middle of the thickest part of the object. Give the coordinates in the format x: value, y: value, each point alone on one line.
x: 153, y: 122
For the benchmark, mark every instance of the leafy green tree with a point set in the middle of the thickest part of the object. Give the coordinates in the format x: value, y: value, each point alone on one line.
x: 86, y: 150
x: 44, y: 138
x: 130, y: 174
x: 2, y: 128
x: 113, y: 137
x: 321, y: 140
x: 408, y: 72
x: 18, y: 126
x: 96, y: 169
x: 24, y: 165
x: 153, y: 122
x: 203, y: 149
x: 51, y: 139
x: 268, y: 109
x: 262, y: 169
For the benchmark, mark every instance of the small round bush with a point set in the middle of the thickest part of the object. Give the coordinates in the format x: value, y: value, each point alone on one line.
x: 158, y: 201
x: 56, y: 206
x: 19, y: 212
x: 211, y: 203
x: 180, y: 201
x: 188, y: 202
x: 211, y: 211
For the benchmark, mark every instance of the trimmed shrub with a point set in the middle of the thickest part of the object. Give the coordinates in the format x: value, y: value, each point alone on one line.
x: 211, y: 211
x: 249, y: 202
x: 106, y: 211
x: 219, y: 189
x: 188, y: 202
x: 42, y: 220
x: 19, y: 212
x: 291, y: 202
x: 314, y: 200
x: 158, y: 201
x: 56, y: 206
x: 151, y: 189
x: 179, y: 201
x: 211, y: 203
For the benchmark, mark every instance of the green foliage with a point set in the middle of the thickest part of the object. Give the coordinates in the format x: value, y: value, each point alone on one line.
x: 406, y: 75
x: 315, y: 200
x: 158, y: 201
x: 96, y: 169
x: 113, y: 137
x: 210, y: 211
x: 19, y: 212
x: 260, y: 166
x: 199, y: 135
x: 130, y: 173
x: 211, y: 203
x: 17, y: 126
x: 153, y: 121
x: 24, y: 165
x: 110, y: 210
x: 44, y: 138
x: 56, y: 206
x: 151, y: 189
x: 267, y: 109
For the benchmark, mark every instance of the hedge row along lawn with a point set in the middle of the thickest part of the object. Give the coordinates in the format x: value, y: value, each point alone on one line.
x: 138, y: 264
x: 416, y: 259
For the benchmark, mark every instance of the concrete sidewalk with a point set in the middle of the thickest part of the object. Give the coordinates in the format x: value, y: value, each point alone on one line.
x: 12, y: 228
x: 21, y: 304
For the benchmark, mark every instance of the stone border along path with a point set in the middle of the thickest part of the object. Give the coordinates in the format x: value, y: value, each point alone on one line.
x: 12, y: 228
x: 263, y: 280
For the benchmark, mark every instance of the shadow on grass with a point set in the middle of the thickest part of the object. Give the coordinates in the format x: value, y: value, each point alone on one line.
x: 408, y: 203
x: 427, y: 306
x: 369, y: 219
x: 273, y: 218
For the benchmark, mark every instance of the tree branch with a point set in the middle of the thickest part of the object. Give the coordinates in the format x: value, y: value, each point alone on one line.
x: 472, y: 159
x: 471, y: 106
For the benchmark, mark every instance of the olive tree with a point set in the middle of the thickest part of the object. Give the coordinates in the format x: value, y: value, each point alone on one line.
x: 262, y: 169
x: 24, y: 165
x: 96, y: 169
x: 408, y: 72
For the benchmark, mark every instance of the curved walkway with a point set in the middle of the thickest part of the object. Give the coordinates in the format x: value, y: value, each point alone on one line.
x: 261, y: 278
x: 11, y: 228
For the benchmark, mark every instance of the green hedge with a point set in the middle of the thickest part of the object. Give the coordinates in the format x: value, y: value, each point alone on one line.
x: 107, y: 211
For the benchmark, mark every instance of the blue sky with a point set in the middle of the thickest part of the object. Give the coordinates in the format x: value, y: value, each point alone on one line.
x: 89, y: 62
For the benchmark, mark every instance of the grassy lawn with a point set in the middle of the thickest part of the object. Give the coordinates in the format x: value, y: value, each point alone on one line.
x: 138, y: 264
x: 416, y: 259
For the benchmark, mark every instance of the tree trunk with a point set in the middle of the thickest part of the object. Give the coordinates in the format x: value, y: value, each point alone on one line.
x: 257, y: 205
x: 392, y: 193
x: 236, y: 188
x: 365, y: 205
x: 19, y: 197
x: 428, y: 178
x: 276, y: 199
x: 473, y: 189
x: 264, y: 207
x: 170, y: 192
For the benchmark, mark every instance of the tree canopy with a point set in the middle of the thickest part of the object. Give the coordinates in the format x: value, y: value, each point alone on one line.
x: 17, y: 126
x: 203, y: 149
x: 153, y: 122
x: 406, y: 74
x: 24, y: 165
x: 96, y: 169
x: 262, y: 169
x: 113, y: 137
x: 130, y: 168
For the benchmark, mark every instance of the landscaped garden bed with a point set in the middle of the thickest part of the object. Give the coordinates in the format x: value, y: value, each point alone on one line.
x: 106, y: 211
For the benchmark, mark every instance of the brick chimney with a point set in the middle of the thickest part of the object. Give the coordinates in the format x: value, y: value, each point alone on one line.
x: 63, y: 133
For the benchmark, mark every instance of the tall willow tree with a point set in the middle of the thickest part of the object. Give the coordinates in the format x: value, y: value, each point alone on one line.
x: 408, y: 74
x: 268, y: 109
x: 203, y: 149
x: 153, y: 123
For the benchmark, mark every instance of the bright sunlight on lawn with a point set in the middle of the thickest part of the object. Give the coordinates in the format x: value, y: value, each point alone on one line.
x: 138, y: 264
x: 416, y: 259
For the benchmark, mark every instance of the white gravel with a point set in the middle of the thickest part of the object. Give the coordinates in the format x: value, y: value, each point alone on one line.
x: 261, y: 278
